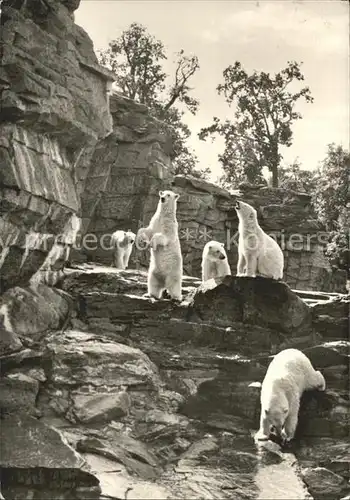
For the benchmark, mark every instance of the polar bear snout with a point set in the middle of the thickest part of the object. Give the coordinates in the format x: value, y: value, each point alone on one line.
x: 276, y: 429
x: 162, y: 195
x: 222, y: 257
x: 237, y: 205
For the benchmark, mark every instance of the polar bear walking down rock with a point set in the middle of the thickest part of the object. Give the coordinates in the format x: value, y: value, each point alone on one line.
x: 122, y: 243
x: 289, y: 374
x: 258, y: 253
x: 214, y: 261
x: 165, y: 269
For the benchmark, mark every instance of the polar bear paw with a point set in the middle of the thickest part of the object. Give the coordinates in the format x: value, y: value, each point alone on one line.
x: 158, y: 239
x: 286, y: 438
x: 142, y: 240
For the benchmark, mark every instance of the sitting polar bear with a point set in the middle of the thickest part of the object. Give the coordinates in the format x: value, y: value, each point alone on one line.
x: 122, y: 243
x: 165, y: 269
x: 214, y: 261
x: 258, y: 253
x: 289, y: 374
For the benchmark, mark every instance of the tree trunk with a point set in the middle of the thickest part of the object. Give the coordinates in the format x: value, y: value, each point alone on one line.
x: 274, y: 176
x: 275, y: 160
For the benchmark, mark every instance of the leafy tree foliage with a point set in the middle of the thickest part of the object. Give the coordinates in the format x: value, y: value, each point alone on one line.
x: 295, y: 178
x: 264, y: 113
x: 332, y: 202
x: 136, y: 57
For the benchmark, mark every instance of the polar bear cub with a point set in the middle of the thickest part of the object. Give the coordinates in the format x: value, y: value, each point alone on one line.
x: 122, y: 244
x: 258, y: 253
x: 214, y: 261
x: 165, y: 269
x: 289, y: 374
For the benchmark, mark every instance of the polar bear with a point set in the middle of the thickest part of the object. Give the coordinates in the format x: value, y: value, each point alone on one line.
x: 165, y: 269
x: 258, y: 253
x: 122, y: 243
x: 214, y: 261
x: 289, y: 374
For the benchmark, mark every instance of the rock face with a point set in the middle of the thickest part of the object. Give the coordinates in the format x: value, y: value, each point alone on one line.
x: 53, y: 102
x: 161, y: 400
x: 128, y: 169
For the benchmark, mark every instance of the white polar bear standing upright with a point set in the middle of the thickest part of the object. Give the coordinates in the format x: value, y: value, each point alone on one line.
x: 258, y: 253
x: 122, y: 243
x: 165, y: 269
x: 289, y: 374
x: 214, y: 261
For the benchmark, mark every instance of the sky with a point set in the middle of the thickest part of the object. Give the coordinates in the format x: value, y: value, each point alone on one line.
x: 263, y: 36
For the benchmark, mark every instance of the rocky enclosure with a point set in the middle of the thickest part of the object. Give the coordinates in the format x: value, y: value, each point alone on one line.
x: 159, y: 399
x: 107, y: 394
x: 130, y: 167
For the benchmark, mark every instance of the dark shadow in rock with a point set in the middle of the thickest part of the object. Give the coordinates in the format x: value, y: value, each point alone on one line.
x: 226, y: 396
x: 323, y: 414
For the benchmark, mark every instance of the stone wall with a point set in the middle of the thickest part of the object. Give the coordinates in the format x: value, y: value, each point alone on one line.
x: 53, y: 102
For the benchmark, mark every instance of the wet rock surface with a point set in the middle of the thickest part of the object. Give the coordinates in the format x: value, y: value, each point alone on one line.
x: 159, y: 401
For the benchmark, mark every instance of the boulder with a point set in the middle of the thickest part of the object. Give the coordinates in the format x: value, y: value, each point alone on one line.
x: 100, y: 407
x: 256, y: 301
x: 79, y: 358
x: 32, y: 310
x: 9, y: 342
x: 36, y: 461
x: 18, y: 394
x: 323, y: 483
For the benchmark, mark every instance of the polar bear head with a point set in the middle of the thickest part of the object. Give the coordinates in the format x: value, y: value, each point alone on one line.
x: 123, y: 239
x: 130, y: 237
x: 246, y: 212
x: 167, y: 201
x: 214, y: 251
x: 276, y: 412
